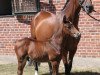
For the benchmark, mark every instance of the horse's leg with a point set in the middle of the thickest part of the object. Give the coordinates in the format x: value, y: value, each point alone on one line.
x: 50, y: 68
x: 55, y: 67
x: 21, y: 65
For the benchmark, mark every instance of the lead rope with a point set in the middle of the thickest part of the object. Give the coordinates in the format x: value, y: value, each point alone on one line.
x: 94, y: 17
x: 89, y: 14
x: 94, y: 11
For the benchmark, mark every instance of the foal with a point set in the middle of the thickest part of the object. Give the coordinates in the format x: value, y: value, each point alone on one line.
x: 37, y: 51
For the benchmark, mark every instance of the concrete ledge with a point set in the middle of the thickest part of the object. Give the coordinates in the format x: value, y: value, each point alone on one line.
x: 77, y: 62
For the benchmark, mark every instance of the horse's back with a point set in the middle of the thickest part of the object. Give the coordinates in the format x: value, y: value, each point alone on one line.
x: 40, y: 16
x: 44, y: 25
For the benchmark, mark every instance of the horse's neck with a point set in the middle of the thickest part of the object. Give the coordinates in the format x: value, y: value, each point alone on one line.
x: 68, y: 10
x: 72, y: 10
x: 76, y: 18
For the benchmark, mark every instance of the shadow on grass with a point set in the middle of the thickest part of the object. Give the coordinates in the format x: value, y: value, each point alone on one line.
x: 78, y: 73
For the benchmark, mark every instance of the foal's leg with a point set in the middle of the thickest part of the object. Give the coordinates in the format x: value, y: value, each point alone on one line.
x: 68, y: 62
x: 36, y: 67
x: 55, y: 67
x: 50, y: 68
x: 65, y: 61
x: 21, y: 65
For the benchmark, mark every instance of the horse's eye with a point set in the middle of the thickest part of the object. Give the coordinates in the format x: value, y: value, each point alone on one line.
x: 81, y: 1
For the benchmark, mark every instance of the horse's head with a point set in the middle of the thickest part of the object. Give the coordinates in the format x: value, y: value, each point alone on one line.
x: 86, y: 5
x: 69, y: 29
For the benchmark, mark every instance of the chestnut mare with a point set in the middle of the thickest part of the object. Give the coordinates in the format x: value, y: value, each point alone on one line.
x: 48, y: 50
x: 69, y: 45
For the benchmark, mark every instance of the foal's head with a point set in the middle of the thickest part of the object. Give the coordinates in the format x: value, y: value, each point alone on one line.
x: 86, y: 5
x: 70, y: 29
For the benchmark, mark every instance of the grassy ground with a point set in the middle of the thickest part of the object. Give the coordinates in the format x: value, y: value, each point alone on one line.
x: 11, y: 69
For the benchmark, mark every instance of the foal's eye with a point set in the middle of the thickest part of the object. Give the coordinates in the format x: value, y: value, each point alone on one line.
x: 69, y: 27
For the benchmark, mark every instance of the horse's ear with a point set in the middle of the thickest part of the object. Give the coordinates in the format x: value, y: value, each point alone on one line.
x: 65, y: 20
x: 80, y: 1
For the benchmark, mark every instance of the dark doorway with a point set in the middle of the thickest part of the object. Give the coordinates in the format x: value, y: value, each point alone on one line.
x: 5, y: 7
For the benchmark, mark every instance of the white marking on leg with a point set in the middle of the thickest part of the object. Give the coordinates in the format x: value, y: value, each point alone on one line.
x: 36, y: 72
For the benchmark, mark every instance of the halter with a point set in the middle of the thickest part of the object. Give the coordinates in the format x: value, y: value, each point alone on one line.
x: 82, y: 1
x: 81, y: 4
x: 65, y: 4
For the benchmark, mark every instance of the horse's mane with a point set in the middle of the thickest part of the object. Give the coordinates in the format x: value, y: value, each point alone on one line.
x: 61, y: 14
x: 65, y: 5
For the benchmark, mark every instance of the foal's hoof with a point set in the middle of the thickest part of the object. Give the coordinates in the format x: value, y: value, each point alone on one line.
x: 67, y: 73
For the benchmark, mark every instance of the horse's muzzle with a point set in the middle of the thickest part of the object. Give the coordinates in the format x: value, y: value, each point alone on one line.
x: 89, y: 9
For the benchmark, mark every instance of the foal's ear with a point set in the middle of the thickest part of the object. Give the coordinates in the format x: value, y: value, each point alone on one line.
x: 65, y: 20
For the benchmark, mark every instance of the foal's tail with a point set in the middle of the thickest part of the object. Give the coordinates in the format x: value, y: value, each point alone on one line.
x: 19, y: 43
x: 22, y: 45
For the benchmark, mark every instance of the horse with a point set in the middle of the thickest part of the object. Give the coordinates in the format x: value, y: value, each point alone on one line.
x: 48, y: 50
x: 71, y: 11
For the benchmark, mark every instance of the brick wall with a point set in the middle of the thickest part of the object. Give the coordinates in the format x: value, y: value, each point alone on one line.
x: 13, y: 28
x: 89, y: 45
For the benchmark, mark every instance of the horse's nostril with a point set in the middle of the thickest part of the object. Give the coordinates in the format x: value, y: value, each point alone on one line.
x: 87, y: 6
x: 90, y: 7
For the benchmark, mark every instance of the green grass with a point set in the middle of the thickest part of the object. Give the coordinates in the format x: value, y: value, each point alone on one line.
x: 11, y: 69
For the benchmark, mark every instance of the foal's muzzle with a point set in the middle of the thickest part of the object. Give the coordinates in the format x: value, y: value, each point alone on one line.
x: 77, y: 35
